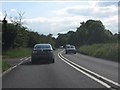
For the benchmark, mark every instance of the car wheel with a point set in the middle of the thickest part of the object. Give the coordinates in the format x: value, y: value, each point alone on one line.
x: 53, y: 60
x: 66, y: 52
x: 33, y: 62
x: 74, y: 52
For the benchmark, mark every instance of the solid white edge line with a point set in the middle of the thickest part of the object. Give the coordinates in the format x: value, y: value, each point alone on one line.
x: 99, y: 81
x: 14, y: 67
x: 23, y: 58
x: 113, y: 82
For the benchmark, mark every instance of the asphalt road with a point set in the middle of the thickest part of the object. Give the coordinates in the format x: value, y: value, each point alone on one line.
x: 59, y: 74
x: 103, y: 67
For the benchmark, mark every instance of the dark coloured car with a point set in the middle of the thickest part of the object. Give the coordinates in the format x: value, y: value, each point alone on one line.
x: 42, y: 53
x: 70, y: 49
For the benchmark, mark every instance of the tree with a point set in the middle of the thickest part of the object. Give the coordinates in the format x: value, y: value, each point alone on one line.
x: 18, y: 20
x: 89, y: 32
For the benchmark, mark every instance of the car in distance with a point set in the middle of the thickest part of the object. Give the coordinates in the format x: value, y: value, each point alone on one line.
x: 61, y: 47
x: 42, y: 53
x: 70, y: 49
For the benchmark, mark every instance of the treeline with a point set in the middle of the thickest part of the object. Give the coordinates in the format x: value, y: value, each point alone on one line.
x: 15, y: 35
x: 89, y: 32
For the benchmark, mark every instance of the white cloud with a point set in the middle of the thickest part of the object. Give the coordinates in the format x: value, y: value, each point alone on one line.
x: 111, y: 23
x: 75, y: 14
x: 13, y: 10
x: 1, y: 16
x: 37, y: 19
x: 69, y: 18
x: 94, y: 11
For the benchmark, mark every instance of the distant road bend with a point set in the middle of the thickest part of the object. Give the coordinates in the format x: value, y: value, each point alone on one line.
x: 68, y: 71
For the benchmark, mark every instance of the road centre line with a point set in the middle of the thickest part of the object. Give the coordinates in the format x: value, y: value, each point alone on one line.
x: 93, y: 72
x: 80, y: 67
x: 99, y: 81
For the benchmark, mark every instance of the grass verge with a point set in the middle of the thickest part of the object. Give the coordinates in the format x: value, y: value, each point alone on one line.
x: 17, y: 52
x: 107, y: 51
x: 14, y: 53
x: 5, y: 66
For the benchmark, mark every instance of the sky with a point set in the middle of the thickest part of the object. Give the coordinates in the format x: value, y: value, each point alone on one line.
x: 58, y: 16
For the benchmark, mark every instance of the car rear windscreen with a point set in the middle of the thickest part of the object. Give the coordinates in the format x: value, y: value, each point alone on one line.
x: 42, y: 46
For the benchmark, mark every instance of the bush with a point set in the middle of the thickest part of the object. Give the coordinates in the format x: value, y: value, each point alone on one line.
x: 108, y: 51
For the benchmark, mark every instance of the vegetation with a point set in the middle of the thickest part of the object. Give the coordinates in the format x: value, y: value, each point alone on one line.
x: 92, y: 34
x: 14, y: 35
x: 93, y: 39
x: 89, y: 32
x: 108, y: 51
x: 90, y: 38
x: 17, y: 52
x: 18, y: 36
x: 5, y: 66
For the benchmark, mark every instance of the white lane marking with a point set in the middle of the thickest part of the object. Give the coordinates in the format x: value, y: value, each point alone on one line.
x: 23, y: 58
x: 115, y: 83
x: 99, y: 81
x: 14, y: 66
x: 27, y: 58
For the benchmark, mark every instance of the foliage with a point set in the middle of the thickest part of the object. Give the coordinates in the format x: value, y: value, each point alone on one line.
x: 17, y: 52
x: 15, y: 36
x: 89, y: 32
x: 109, y: 50
x: 5, y: 66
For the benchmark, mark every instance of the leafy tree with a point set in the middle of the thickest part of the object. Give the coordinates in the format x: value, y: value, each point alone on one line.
x: 89, y: 32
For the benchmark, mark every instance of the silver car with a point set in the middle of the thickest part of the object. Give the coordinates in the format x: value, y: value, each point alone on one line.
x: 70, y: 49
x: 42, y: 53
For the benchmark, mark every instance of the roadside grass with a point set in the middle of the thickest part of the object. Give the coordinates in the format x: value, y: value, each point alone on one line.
x: 5, y: 66
x: 107, y: 51
x: 0, y: 63
x: 17, y: 52
x: 13, y: 53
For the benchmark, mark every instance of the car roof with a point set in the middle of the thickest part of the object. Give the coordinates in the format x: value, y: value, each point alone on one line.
x: 42, y: 44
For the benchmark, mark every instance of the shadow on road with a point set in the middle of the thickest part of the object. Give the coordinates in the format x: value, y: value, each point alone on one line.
x: 37, y: 63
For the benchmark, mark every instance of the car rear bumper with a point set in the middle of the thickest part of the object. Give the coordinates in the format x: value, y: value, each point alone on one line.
x: 42, y: 58
x: 70, y: 51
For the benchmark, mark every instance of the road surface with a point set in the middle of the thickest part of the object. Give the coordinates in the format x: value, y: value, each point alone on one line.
x: 61, y: 74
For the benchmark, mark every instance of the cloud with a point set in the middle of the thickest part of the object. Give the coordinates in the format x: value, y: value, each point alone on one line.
x: 69, y: 18
x: 37, y: 19
x: 108, y: 14
x: 108, y: 3
x: 54, y: 25
x: 13, y: 10
x: 1, y: 16
x: 111, y: 23
x: 88, y: 11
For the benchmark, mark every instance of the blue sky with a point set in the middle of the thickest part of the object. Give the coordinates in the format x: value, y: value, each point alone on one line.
x: 60, y: 17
